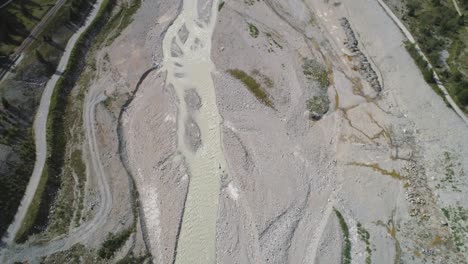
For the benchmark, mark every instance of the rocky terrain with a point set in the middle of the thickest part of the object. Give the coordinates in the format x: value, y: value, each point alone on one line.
x: 271, y: 131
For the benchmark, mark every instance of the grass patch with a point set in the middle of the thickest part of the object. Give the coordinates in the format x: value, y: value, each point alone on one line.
x: 120, y: 21
x: 314, y: 71
x: 457, y: 217
x: 374, y: 166
x: 337, y: 101
x: 252, y: 85
x: 253, y: 30
x: 32, y: 211
x: 39, y: 63
x: 364, y: 236
x: 427, y: 73
x: 131, y: 259
x: 114, y: 243
x: 346, y: 257
x: 440, y: 31
x: 318, y: 106
x: 38, y: 213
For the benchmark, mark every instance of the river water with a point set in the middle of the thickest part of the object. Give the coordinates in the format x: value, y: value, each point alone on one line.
x: 189, y: 66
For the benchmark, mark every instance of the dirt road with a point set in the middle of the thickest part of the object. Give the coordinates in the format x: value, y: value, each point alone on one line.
x: 82, y: 232
x: 411, y: 39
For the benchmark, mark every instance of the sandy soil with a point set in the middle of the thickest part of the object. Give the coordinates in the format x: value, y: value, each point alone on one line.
x: 288, y: 172
x: 224, y: 178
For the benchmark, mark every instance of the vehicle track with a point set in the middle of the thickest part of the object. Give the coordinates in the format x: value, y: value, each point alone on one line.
x: 40, y: 127
x: 411, y: 39
x: 85, y: 231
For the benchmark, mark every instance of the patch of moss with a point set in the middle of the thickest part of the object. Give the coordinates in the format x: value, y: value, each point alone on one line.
x: 252, y: 85
x: 376, y: 167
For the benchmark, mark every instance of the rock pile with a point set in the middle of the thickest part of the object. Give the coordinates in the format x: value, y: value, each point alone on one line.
x: 364, y: 66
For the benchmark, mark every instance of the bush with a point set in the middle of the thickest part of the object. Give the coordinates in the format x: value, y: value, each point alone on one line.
x: 313, y: 70
x: 113, y: 243
x: 253, y: 30
x: 318, y: 106
x: 463, y: 97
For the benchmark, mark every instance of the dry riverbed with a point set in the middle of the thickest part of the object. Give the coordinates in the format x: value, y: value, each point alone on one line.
x: 269, y: 132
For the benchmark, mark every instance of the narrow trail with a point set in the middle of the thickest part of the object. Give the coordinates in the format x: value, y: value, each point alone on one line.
x: 189, y: 66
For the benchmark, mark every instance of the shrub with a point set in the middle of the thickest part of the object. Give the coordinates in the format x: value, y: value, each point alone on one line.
x: 253, y: 30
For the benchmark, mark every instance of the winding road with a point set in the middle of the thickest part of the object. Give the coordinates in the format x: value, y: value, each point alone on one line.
x: 16, y: 252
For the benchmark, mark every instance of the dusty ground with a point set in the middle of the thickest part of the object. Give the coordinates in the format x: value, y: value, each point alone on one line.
x: 374, y: 158
x: 391, y: 162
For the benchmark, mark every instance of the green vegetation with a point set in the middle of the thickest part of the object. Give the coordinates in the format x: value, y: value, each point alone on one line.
x: 13, y: 177
x: 449, y: 168
x: 422, y: 64
x: 108, y: 24
x: 252, y: 85
x: 33, y: 211
x: 313, y: 70
x: 346, y: 258
x: 318, y: 106
x: 114, y: 243
x: 253, y: 30
x: 19, y: 18
x: 439, y: 29
x: 38, y: 64
x: 131, y: 259
x: 38, y: 212
x: 376, y: 167
x: 457, y: 217
x: 364, y: 236
x: 249, y: 2
x: 221, y: 5
x: 119, y: 21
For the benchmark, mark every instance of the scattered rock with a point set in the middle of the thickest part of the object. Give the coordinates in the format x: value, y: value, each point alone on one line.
x: 364, y: 66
